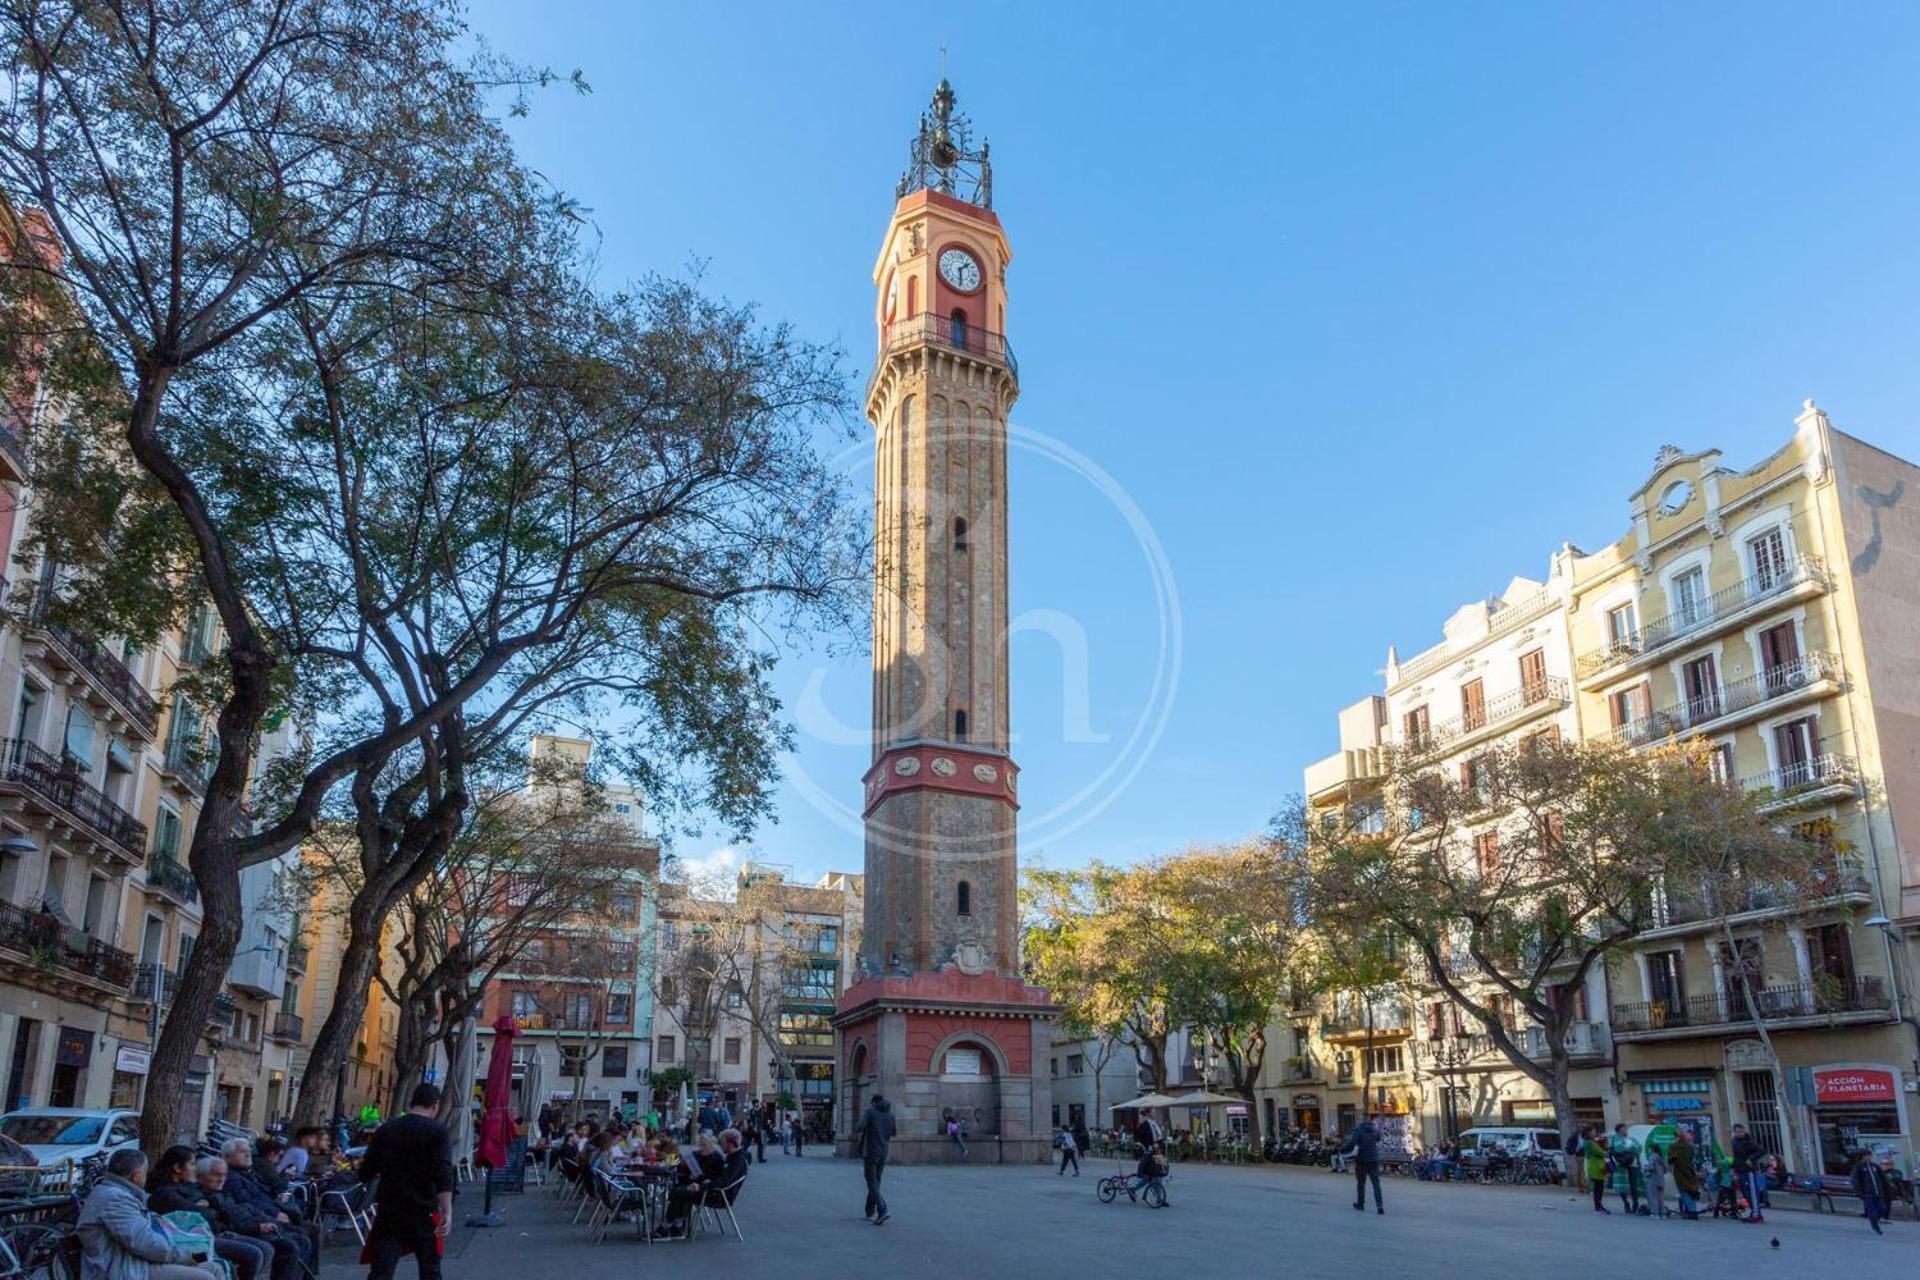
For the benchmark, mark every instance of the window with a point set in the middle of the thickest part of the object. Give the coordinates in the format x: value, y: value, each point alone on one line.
x: 1796, y: 745
x: 1385, y: 1060
x: 913, y: 295
x: 959, y: 533
x: 1053, y: 1066
x: 1779, y: 656
x: 580, y: 1011
x: 1720, y: 763
x: 619, y: 1006
x: 1701, y: 684
x: 1369, y: 817
x: 669, y: 990
x: 1416, y: 725
x: 1744, y: 966
x: 1623, y: 630
x: 1689, y: 591
x: 1830, y: 952
x: 621, y: 903
x: 1631, y: 707
x: 730, y: 1051
x: 166, y: 833
x: 1543, y: 740
x: 26, y: 723
x: 1666, y: 986
x: 623, y: 807
x: 79, y: 740
x: 1486, y: 852
x: 670, y: 935
x: 1076, y: 1064
x: 664, y: 1049
x: 1768, y: 553
x: 1473, y: 705
x: 958, y: 331
x: 187, y: 943
x: 1533, y: 676
x: 525, y: 1005
x: 1476, y: 775
x: 613, y: 1061
x: 964, y: 896
x: 960, y: 725
x: 797, y: 1028
x: 573, y: 1060
x: 536, y: 949
x: 520, y: 890
x: 96, y: 904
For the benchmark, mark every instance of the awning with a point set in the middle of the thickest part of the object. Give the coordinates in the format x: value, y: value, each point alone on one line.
x: 1202, y: 1099
x: 1143, y: 1102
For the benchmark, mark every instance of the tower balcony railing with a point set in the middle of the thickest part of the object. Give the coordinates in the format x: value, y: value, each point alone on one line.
x: 954, y: 335
x: 1699, y: 617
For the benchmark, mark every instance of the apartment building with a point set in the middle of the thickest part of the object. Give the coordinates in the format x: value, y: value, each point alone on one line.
x: 582, y: 989
x: 1770, y: 611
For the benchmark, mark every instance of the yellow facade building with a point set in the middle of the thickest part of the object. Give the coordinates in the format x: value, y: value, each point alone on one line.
x: 1773, y: 611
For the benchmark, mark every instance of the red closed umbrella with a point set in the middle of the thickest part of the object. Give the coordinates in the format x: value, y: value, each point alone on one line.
x: 496, y: 1125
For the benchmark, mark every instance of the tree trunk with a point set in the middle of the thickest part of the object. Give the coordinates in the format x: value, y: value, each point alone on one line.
x: 1560, y: 1093
x: 200, y: 982
x: 1766, y: 1041
x: 334, y: 1040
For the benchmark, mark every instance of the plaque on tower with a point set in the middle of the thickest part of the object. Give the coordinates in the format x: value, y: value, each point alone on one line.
x: 940, y: 977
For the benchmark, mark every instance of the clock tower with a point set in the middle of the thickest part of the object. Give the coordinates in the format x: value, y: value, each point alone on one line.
x: 939, y: 1018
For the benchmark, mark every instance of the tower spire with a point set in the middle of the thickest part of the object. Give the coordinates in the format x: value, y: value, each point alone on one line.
x: 942, y: 156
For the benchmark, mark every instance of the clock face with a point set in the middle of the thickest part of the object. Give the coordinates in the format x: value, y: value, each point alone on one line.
x: 959, y: 269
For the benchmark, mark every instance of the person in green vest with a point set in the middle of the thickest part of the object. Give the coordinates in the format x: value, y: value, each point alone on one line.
x: 369, y: 1118
x: 1593, y: 1152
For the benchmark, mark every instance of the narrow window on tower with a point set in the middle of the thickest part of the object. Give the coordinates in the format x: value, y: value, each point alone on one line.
x: 959, y: 331
x: 959, y: 533
x: 913, y: 296
x: 965, y: 895
x: 960, y: 725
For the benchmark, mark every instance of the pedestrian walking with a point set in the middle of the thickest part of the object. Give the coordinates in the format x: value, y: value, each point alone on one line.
x: 1069, y: 1152
x: 1870, y: 1184
x: 786, y: 1136
x: 1747, y: 1155
x: 873, y: 1137
x: 1082, y: 1140
x: 799, y: 1135
x: 1364, y: 1144
x: 1593, y: 1154
x: 412, y: 1157
x: 1623, y: 1154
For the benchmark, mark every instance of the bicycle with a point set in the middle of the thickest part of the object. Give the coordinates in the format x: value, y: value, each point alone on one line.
x: 34, y: 1251
x: 1137, y: 1186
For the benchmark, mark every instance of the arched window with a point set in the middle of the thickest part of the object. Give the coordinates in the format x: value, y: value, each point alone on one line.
x: 959, y: 533
x: 959, y: 332
x: 965, y: 896
x: 960, y: 725
x: 906, y: 412
x: 913, y: 296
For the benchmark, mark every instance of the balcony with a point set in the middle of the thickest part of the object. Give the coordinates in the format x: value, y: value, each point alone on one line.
x: 1812, y: 675
x: 187, y: 765
x: 288, y: 1028
x: 1387, y: 1024
x: 46, y: 781
x: 1301, y: 1067
x: 1721, y: 611
x: 297, y: 955
x: 1827, y: 777
x: 69, y: 649
x: 151, y: 976
x: 1500, y: 713
x: 1833, y: 876
x: 941, y: 331
x: 53, y: 948
x: 167, y: 877
x: 1345, y: 769
x: 1819, y: 1003
x: 1583, y: 1040
x: 221, y: 1014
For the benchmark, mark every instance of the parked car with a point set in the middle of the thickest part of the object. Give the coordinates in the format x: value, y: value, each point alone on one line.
x: 1516, y: 1142
x: 55, y: 1135
x: 18, y: 1175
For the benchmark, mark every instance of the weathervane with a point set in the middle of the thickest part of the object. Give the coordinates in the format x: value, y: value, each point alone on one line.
x: 942, y: 157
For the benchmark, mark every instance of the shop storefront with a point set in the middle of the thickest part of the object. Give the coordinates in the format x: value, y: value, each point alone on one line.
x: 1855, y: 1107
x: 1306, y: 1112
x: 1685, y: 1101
x: 129, y: 1076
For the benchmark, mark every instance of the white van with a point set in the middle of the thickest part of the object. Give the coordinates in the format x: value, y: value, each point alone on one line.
x: 1516, y: 1142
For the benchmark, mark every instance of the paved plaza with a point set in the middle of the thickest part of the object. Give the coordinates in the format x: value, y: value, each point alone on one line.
x: 802, y: 1220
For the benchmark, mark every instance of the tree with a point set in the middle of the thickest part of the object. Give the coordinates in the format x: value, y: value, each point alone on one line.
x: 1513, y: 881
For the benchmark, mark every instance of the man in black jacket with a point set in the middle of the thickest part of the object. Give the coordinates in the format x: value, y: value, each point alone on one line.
x: 412, y: 1156
x: 248, y: 1220
x: 1364, y: 1143
x: 873, y: 1137
x: 1870, y: 1184
x: 1747, y: 1155
x: 244, y: 1181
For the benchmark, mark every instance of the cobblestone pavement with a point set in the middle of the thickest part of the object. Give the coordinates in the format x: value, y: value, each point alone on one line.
x: 802, y: 1220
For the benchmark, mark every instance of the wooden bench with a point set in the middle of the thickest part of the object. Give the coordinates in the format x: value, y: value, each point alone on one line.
x: 1828, y: 1190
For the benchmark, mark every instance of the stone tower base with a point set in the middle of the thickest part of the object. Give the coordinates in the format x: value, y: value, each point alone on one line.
x: 937, y: 1043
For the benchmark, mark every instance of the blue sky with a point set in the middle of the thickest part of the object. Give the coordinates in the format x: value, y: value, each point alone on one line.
x: 1365, y: 308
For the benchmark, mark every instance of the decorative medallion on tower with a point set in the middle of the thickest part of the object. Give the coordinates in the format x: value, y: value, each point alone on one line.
x: 941, y: 1018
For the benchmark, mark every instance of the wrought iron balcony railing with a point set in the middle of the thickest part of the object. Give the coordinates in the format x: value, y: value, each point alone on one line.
x: 1722, y: 606
x: 57, y: 782
x: 289, y: 1027
x: 106, y: 672
x: 1828, y: 875
x: 1771, y: 685
x: 186, y: 762
x: 168, y: 875
x: 1822, y: 998
x: 1534, y: 696
x: 1793, y: 781
x: 944, y: 331
x: 49, y: 944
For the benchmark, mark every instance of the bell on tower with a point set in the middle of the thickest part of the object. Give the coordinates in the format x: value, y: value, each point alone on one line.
x: 942, y: 157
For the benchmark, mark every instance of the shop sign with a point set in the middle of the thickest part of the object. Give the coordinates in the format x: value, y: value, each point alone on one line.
x: 132, y: 1059
x: 1675, y: 1102
x: 74, y: 1048
x: 1306, y: 1099
x: 1839, y: 1086
x: 1236, y: 1111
